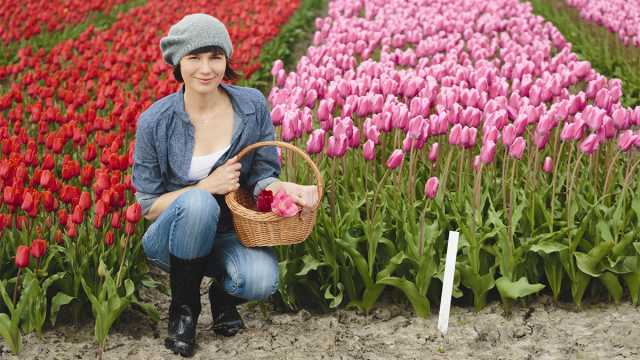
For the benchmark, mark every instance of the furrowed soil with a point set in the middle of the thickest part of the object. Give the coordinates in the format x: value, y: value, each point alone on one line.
x: 540, y: 331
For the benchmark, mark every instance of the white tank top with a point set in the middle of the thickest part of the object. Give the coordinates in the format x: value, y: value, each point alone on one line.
x: 202, y: 165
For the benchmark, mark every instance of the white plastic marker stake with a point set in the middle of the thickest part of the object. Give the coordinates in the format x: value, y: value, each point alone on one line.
x: 447, y: 286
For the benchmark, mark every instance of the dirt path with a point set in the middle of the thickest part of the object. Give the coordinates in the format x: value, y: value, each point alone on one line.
x: 542, y: 331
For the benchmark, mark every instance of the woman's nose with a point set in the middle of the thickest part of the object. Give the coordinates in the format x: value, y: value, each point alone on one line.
x: 206, y: 66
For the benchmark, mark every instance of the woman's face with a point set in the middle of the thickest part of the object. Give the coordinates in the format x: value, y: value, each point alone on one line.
x: 203, y: 73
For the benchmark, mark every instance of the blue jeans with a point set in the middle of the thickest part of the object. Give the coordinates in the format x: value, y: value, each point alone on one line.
x: 187, y: 230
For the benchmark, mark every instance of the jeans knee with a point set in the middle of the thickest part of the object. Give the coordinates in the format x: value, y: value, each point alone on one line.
x: 194, y: 230
x: 257, y: 280
x: 199, y: 207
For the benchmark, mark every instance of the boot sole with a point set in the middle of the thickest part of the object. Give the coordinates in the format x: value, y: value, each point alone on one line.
x: 179, y: 347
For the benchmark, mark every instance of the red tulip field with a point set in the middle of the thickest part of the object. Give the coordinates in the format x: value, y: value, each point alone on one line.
x: 514, y: 123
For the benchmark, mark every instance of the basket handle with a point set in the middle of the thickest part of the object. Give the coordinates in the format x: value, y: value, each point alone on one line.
x: 295, y: 149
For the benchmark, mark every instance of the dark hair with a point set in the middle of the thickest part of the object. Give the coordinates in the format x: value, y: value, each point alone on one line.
x: 229, y: 73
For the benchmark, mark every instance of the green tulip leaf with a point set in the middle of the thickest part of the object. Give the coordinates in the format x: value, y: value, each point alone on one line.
x: 611, y: 282
x: 59, y: 300
x: 604, y: 230
x: 336, y: 299
x: 310, y: 263
x: 515, y: 290
x: 633, y: 283
x: 10, y: 333
x: 590, y: 263
x: 419, y: 302
x: 548, y: 247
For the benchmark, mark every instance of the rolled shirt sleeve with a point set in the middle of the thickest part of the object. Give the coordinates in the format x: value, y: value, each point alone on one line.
x: 265, y: 167
x: 146, y: 175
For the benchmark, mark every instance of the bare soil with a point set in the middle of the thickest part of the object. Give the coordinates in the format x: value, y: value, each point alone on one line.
x: 540, y: 331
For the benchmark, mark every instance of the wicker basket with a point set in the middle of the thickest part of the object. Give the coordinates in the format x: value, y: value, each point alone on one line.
x: 255, y: 228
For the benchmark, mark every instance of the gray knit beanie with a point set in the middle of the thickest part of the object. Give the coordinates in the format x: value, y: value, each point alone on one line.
x: 193, y: 32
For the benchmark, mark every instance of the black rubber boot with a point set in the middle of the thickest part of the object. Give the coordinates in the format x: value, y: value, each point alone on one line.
x: 185, y: 278
x: 226, y: 319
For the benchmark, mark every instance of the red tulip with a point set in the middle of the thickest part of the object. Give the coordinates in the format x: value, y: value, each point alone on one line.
x: 77, y: 216
x: 264, y: 200
x: 109, y: 238
x: 115, y: 220
x: 49, y: 202
x: 129, y: 228
x: 22, y: 256
x: 85, y: 200
x: 72, y: 229
x: 27, y: 202
x: 86, y: 175
x: 58, y: 238
x: 38, y: 248
x: 134, y: 213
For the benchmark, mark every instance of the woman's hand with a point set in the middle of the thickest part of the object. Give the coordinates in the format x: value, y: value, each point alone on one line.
x: 302, y: 195
x: 224, y: 179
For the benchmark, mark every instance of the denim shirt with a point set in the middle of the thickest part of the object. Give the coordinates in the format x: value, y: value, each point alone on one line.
x: 165, y: 141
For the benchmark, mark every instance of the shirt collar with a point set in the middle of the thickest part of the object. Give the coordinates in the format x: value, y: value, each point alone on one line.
x: 241, y: 104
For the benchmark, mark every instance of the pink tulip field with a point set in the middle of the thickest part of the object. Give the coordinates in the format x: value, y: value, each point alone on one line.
x: 618, y: 16
x: 515, y: 123
x: 533, y: 156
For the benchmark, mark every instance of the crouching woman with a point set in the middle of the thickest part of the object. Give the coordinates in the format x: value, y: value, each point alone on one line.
x: 185, y: 162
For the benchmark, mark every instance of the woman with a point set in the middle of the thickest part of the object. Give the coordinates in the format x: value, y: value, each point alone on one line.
x: 184, y: 164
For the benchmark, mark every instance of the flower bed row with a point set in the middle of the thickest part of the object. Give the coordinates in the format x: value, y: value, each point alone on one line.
x: 18, y: 56
x: 21, y: 20
x: 618, y: 16
x: 66, y: 131
x: 458, y: 115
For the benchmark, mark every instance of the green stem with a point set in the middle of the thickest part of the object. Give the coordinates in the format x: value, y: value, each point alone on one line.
x: 15, y: 289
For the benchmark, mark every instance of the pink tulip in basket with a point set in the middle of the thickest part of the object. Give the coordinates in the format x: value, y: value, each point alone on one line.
x: 255, y: 228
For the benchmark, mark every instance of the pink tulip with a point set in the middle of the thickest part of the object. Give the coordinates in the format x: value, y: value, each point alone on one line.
x: 277, y: 114
x: 395, y: 159
x: 488, y: 152
x: 548, y: 165
x: 415, y: 127
x: 354, y: 140
x: 315, y: 144
x: 590, y: 144
x: 491, y: 134
x: 620, y: 118
x: 508, y: 135
x: 540, y: 139
x: 324, y: 109
x: 431, y: 187
x: 288, y: 126
x: 476, y: 163
x: 608, y: 128
x: 281, y: 77
x: 517, y: 147
x: 455, y: 134
x: 277, y: 66
x: 310, y: 98
x: 369, y: 150
x: 407, y: 143
x: 337, y: 146
x: 433, y: 152
x: 626, y: 140
x: 373, y: 134
x: 283, y: 205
